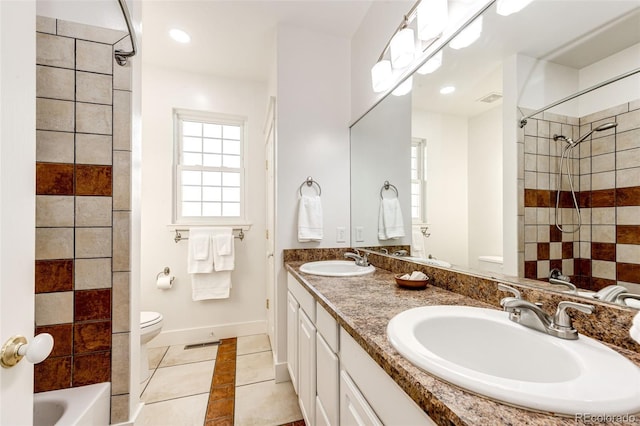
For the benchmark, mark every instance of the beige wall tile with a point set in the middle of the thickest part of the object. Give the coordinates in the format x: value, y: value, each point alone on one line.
x: 628, y: 121
x: 45, y: 24
x: 54, y: 115
x: 57, y: 83
x: 54, y: 211
x: 92, y: 118
x: 93, y: 149
x: 119, y: 408
x: 120, y: 308
x: 628, y: 215
x: 567, y: 266
x: 54, y: 243
x: 89, y: 32
x: 122, y: 74
x: 603, y: 163
x: 603, y: 145
x: 54, y: 147
x: 605, y: 114
x: 530, y: 144
x: 605, y: 180
x: 584, y: 248
x: 634, y: 105
x: 120, y: 363
x: 628, y: 158
x: 542, y: 163
x: 628, y: 177
x: 628, y: 140
x: 603, y: 269
x: 121, y: 120
x: 121, y: 180
x: 54, y: 308
x: 93, y: 211
x: 93, y: 88
x: 93, y: 242
x: 628, y: 253
x: 121, y: 225
x: 603, y: 233
x: 603, y: 216
x: 531, y: 128
x: 543, y: 268
x: 92, y: 273
x: 94, y: 57
x: 55, y: 51
x: 530, y: 251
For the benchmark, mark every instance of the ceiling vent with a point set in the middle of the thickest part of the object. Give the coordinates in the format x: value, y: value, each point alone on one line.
x: 490, y: 98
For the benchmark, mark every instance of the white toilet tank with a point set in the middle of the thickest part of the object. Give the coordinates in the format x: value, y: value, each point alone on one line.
x: 490, y: 263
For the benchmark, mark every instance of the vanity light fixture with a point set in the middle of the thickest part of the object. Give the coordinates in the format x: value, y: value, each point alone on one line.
x: 402, y: 48
x: 446, y: 90
x: 467, y: 36
x: 432, y: 64
x: 404, y: 87
x: 381, y: 76
x: 432, y: 18
x: 179, y: 35
x: 507, y: 7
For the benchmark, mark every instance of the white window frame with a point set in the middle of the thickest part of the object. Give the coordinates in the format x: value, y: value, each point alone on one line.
x: 180, y: 115
x: 421, y: 145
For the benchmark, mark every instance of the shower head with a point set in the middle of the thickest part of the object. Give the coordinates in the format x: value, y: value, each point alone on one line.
x: 600, y: 128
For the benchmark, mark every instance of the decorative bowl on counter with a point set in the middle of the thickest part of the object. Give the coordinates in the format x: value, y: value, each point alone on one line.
x: 412, y: 284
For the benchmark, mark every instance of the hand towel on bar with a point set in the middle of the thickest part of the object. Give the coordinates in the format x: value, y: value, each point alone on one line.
x: 417, y: 243
x: 309, y: 218
x: 223, y: 250
x: 214, y: 285
x: 390, y: 224
x: 200, y: 242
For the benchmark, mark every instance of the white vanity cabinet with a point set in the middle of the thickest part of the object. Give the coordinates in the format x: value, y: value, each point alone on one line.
x: 328, y: 369
x: 292, y: 339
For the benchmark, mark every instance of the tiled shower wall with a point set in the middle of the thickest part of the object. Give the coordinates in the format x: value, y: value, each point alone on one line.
x: 83, y: 208
x: 606, y: 169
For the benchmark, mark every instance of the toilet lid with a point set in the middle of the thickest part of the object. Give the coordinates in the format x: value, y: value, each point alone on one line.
x: 149, y: 318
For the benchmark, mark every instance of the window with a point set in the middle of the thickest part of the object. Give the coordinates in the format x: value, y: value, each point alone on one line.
x: 418, y: 181
x: 209, y: 168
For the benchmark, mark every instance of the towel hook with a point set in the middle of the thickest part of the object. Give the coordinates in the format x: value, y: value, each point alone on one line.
x: 309, y: 182
x: 386, y: 186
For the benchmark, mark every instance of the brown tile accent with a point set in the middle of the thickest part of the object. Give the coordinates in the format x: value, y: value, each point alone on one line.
x: 555, y: 264
x: 628, y: 196
x: 62, y: 338
x: 54, y: 179
x: 530, y: 198
x: 603, y: 198
x: 92, y: 368
x: 603, y: 251
x: 628, y: 272
x: 582, y: 267
x: 567, y: 250
x: 543, y: 251
x: 566, y: 199
x: 531, y: 269
x: 92, y: 305
x: 52, y: 374
x: 54, y: 275
x: 91, y: 337
x: 582, y: 282
x: 600, y: 283
x: 584, y: 199
x: 543, y: 198
x: 628, y: 234
x: 220, y: 408
x: 93, y: 180
x: 555, y: 234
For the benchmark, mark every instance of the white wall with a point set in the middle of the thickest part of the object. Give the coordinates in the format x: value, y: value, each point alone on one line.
x: 485, y: 185
x: 312, y: 140
x: 447, y: 184
x: 83, y: 11
x: 184, y: 319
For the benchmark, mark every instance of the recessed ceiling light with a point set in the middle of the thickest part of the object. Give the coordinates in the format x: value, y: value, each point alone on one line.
x: 179, y: 36
x: 447, y: 89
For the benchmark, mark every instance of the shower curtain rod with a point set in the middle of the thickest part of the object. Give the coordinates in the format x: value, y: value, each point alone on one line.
x: 120, y: 55
x: 523, y: 120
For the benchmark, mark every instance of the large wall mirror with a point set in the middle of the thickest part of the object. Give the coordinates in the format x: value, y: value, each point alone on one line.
x: 446, y: 153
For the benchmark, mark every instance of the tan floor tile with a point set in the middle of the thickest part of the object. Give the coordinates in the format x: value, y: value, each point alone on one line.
x: 179, y: 381
x: 177, y: 355
x: 254, y: 368
x: 266, y: 403
x: 185, y: 411
x: 252, y: 344
x: 155, y: 356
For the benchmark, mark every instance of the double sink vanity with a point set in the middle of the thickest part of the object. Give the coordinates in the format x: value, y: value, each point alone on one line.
x: 362, y: 350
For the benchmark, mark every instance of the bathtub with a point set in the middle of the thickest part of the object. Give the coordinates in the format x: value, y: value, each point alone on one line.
x: 84, y: 405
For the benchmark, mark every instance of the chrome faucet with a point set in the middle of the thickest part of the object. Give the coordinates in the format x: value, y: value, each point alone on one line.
x: 400, y: 253
x: 531, y: 315
x: 556, y: 277
x: 622, y: 297
x: 610, y: 293
x: 360, y: 259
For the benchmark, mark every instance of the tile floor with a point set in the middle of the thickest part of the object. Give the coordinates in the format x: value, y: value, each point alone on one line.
x: 191, y: 387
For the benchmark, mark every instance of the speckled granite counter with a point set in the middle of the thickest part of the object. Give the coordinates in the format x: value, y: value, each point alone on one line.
x: 364, y: 305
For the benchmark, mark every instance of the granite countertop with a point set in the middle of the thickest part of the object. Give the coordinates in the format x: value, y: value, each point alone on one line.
x: 364, y: 305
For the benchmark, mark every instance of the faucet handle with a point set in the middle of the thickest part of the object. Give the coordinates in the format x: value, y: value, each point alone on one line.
x: 562, y: 319
x: 515, y: 292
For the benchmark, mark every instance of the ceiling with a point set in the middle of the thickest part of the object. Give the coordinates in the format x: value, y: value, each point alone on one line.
x: 236, y: 38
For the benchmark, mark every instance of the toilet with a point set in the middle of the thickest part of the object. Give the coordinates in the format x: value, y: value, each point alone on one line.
x: 490, y: 263
x: 150, y: 327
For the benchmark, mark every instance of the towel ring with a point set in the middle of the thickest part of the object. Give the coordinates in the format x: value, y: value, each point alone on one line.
x: 387, y: 186
x: 310, y: 182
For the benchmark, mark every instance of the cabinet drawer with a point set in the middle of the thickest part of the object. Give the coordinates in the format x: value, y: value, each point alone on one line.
x: 304, y: 298
x: 327, y: 327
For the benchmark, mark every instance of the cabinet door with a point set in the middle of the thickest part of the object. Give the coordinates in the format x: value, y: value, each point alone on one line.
x: 354, y: 409
x: 307, y: 367
x: 328, y: 369
x: 292, y: 339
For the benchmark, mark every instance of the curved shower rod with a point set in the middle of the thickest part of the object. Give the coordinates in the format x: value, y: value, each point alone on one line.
x: 120, y: 55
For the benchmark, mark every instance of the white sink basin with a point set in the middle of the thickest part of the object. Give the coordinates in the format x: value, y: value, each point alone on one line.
x: 483, y: 351
x: 336, y: 268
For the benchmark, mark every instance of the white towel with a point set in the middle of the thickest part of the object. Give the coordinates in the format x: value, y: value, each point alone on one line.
x: 417, y: 243
x: 223, y: 250
x: 200, y: 252
x: 310, y: 218
x: 214, y: 285
x: 390, y: 224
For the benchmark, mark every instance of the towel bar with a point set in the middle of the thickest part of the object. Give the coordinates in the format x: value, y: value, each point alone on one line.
x: 309, y: 182
x: 179, y: 236
x: 386, y: 187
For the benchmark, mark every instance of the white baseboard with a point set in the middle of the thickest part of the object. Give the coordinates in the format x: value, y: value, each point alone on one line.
x: 190, y: 336
x: 282, y: 372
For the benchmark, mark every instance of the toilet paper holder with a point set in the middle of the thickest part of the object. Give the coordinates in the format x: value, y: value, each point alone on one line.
x: 166, y: 271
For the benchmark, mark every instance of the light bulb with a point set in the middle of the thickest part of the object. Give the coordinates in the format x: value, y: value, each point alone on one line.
x: 403, y: 48
x: 179, y: 36
x: 432, y: 18
x: 381, y: 76
x: 432, y: 64
x: 507, y: 7
x: 404, y: 87
x: 467, y: 36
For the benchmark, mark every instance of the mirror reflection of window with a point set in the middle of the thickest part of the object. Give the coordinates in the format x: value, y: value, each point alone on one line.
x: 418, y: 181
